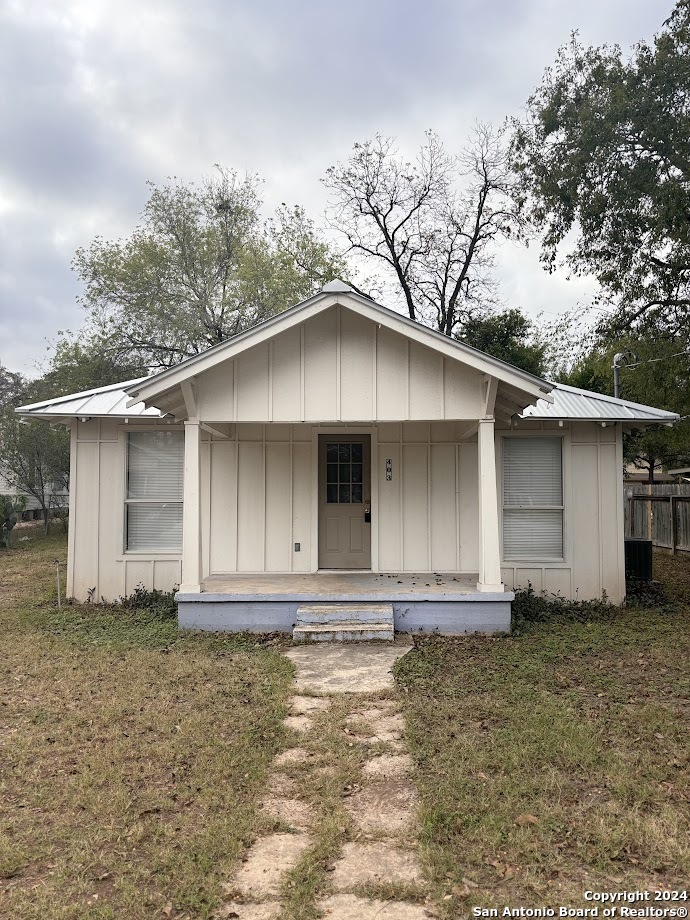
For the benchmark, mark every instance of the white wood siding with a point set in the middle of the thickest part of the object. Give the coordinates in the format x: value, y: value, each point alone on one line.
x: 336, y: 367
x: 418, y: 517
x: 593, y: 561
x: 96, y: 558
x: 257, y: 489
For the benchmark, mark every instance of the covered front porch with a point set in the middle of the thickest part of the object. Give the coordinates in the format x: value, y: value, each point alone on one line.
x: 422, y: 602
x: 254, y: 497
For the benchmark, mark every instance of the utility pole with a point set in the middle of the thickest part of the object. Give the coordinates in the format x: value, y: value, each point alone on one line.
x: 619, y: 360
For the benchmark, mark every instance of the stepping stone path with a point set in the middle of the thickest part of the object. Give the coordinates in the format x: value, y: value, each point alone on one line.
x: 381, y: 850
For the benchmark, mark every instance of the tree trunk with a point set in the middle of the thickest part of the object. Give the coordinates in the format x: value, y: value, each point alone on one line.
x: 46, y: 519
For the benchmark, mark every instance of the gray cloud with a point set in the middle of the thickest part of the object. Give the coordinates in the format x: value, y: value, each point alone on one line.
x: 99, y: 95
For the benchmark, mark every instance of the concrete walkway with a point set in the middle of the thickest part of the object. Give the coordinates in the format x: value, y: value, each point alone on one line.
x: 376, y: 873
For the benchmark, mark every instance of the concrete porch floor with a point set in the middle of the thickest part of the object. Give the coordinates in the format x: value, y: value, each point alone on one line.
x: 341, y: 586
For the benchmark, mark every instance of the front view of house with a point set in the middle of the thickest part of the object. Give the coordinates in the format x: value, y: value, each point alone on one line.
x: 341, y: 452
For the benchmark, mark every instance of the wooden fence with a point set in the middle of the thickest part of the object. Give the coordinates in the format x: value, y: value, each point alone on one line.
x: 660, y: 513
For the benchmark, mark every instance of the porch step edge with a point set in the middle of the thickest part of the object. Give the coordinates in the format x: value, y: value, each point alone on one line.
x: 343, y: 631
x: 355, y: 613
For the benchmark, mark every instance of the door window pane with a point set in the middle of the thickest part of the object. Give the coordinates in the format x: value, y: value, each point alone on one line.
x: 344, y: 480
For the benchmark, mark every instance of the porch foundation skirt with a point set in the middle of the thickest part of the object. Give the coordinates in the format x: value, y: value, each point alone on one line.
x: 449, y: 614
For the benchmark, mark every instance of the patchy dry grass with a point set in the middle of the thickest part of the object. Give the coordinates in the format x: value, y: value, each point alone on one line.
x: 556, y: 761
x: 131, y: 757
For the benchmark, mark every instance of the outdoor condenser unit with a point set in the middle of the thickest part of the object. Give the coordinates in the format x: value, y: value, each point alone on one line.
x: 638, y: 559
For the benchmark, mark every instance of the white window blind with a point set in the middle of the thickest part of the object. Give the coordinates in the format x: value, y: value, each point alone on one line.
x: 532, y: 498
x: 155, y: 466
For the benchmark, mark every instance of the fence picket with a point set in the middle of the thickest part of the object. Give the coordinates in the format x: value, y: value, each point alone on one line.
x: 660, y: 513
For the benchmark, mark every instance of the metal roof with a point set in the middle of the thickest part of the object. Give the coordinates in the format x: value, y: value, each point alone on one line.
x: 574, y: 404
x: 109, y: 402
x: 569, y: 403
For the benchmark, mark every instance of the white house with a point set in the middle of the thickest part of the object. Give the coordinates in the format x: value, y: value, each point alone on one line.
x: 56, y: 495
x: 340, y: 452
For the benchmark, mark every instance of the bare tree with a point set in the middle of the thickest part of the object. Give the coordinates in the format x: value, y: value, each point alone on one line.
x: 432, y: 223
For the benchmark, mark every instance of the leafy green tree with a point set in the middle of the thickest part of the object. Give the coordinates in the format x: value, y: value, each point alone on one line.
x: 34, y: 458
x: 603, y: 160
x: 11, y: 387
x: 509, y: 336
x: 201, y: 267
x: 658, y: 375
x: 77, y: 365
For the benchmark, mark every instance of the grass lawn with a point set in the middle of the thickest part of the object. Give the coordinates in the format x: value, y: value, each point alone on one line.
x: 131, y: 758
x: 557, y: 760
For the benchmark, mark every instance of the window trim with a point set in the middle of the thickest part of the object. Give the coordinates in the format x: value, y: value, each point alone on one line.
x: 541, y: 561
x: 164, y: 553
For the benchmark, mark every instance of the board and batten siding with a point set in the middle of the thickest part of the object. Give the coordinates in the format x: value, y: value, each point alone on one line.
x: 263, y: 481
x: 593, y: 561
x: 339, y: 367
x: 258, y: 486
x: 96, y: 558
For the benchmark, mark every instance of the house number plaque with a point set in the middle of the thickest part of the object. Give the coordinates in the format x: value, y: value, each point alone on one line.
x: 389, y: 470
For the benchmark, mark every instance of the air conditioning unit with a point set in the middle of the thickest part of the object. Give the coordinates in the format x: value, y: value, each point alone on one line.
x: 638, y: 559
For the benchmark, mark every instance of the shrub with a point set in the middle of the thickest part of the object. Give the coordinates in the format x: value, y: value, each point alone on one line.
x: 160, y: 603
x: 530, y: 607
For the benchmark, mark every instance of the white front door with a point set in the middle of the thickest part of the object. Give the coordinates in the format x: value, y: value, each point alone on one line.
x: 344, y: 502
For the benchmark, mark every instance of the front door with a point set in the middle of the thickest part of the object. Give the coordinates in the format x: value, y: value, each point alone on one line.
x: 344, y: 502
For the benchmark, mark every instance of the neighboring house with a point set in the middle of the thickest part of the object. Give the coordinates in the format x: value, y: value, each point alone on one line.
x: 57, y: 495
x: 340, y: 451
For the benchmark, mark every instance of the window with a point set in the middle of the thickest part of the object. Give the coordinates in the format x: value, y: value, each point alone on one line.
x: 532, y: 498
x: 153, y: 503
x: 344, y: 473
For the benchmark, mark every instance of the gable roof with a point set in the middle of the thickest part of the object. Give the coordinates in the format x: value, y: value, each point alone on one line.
x: 333, y: 293
x: 569, y: 404
x: 136, y: 398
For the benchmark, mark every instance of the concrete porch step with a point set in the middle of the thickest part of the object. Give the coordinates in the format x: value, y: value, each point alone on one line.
x: 344, y: 631
x: 353, y: 613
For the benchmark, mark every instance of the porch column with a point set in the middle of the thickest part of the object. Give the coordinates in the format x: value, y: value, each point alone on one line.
x: 489, y: 542
x: 191, y: 510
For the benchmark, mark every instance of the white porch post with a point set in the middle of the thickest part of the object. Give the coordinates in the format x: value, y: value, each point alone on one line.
x: 191, y: 510
x: 489, y: 541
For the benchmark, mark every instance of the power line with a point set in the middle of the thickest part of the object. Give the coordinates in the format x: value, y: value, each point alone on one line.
x: 654, y: 360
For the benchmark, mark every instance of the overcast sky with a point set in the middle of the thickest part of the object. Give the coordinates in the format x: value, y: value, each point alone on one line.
x: 97, y: 96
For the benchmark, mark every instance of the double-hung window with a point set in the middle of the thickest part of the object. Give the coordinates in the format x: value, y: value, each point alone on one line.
x: 533, y: 498
x: 153, y: 503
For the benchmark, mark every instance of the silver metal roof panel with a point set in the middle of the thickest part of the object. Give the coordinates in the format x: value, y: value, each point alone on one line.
x: 569, y: 403
x: 572, y: 403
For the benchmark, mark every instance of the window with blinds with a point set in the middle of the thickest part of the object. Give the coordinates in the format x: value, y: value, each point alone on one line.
x: 153, y: 504
x: 532, y: 498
